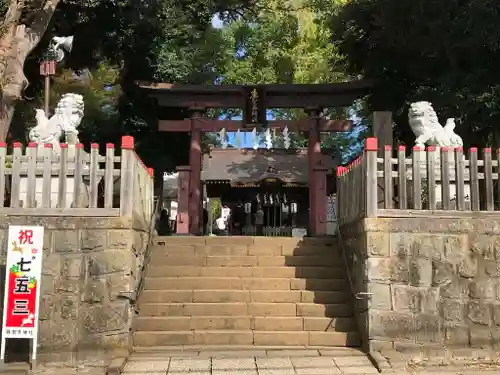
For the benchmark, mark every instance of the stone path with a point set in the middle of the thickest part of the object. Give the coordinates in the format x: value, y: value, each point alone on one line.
x: 255, y: 361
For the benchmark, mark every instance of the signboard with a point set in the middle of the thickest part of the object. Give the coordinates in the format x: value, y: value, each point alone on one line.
x: 22, y: 285
x: 255, y: 109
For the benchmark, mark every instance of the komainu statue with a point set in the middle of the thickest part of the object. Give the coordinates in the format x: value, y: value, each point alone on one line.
x: 425, y: 125
x: 66, y: 119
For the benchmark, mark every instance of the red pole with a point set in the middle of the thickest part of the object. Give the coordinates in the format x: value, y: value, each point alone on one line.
x: 47, y: 69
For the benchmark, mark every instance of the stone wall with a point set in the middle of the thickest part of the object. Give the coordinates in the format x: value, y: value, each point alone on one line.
x: 435, y: 282
x: 91, y: 270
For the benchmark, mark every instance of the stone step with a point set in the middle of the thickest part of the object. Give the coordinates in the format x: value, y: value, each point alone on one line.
x: 245, y: 337
x: 316, y: 272
x: 242, y: 250
x: 15, y: 368
x: 241, y: 308
x: 241, y: 351
x: 237, y: 283
x: 186, y: 296
x: 245, y: 240
x: 258, y: 323
x: 162, y: 259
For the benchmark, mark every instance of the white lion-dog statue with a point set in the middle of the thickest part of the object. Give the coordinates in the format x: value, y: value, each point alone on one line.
x: 66, y: 119
x: 425, y: 125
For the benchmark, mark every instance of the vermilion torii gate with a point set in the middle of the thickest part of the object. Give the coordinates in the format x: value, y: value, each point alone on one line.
x: 254, y: 100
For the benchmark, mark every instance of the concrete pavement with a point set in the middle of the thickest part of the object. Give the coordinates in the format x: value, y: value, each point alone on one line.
x: 251, y: 361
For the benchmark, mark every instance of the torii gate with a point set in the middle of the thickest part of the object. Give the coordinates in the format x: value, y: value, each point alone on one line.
x: 254, y: 100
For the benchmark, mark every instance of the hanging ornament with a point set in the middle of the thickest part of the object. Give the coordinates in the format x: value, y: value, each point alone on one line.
x: 255, y: 139
x: 223, y: 138
x: 237, y: 139
x: 269, y: 139
x: 286, y: 138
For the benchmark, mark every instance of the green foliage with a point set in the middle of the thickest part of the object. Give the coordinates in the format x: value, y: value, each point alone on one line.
x: 283, y: 43
x: 446, y: 52
x: 216, y: 207
x: 101, y: 99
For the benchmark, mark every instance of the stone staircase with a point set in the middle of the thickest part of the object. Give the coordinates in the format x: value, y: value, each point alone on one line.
x: 263, y: 291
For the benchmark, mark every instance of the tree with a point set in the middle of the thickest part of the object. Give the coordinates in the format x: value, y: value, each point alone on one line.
x: 287, y: 41
x: 282, y: 43
x: 446, y: 52
x: 22, y: 26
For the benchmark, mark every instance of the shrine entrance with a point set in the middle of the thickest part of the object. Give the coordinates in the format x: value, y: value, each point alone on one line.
x: 274, y: 181
x: 255, y: 101
x: 266, y: 208
x: 279, y: 204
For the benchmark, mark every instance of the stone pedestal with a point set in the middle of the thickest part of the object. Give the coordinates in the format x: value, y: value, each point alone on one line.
x: 438, y: 189
x: 54, y: 188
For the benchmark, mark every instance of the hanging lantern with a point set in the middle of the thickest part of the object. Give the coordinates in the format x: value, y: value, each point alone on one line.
x: 293, y: 208
x: 248, y: 207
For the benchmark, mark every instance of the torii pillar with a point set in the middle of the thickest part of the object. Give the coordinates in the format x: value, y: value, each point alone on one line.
x: 316, y: 177
x: 189, y: 185
x: 195, y: 177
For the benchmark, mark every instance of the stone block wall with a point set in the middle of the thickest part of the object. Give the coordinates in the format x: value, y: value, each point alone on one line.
x: 435, y: 282
x: 91, y: 270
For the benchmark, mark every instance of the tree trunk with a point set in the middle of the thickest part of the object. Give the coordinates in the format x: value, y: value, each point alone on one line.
x: 18, y: 42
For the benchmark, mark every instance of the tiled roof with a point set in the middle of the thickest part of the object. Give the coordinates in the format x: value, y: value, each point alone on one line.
x: 251, y: 165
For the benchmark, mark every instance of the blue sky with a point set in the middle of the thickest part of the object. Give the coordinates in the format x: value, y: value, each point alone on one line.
x: 216, y: 22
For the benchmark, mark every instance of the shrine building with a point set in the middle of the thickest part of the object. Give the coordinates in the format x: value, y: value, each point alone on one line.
x: 276, y: 180
x: 297, y: 178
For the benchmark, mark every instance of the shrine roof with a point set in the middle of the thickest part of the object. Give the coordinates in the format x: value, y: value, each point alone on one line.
x: 248, y: 165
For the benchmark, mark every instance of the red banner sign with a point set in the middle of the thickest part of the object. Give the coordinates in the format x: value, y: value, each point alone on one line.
x: 22, y: 286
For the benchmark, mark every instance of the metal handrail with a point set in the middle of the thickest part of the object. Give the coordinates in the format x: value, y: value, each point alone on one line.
x: 359, y: 295
x: 147, y: 252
